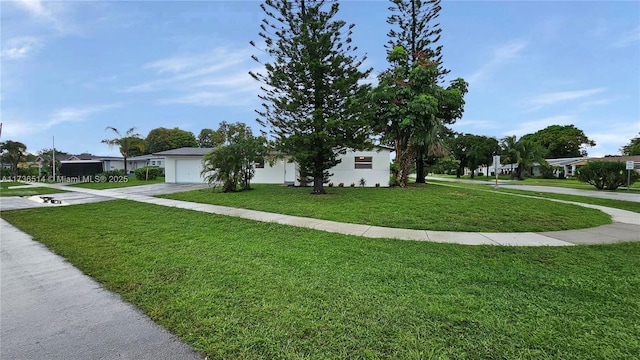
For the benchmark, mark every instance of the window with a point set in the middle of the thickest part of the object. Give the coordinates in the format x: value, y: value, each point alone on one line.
x: 259, y: 165
x: 153, y: 162
x: 364, y: 162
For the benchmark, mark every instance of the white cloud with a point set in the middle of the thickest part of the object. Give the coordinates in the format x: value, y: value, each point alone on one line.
x: 209, y: 98
x: 628, y: 38
x: 555, y: 97
x: 20, y: 47
x: 216, y: 64
x: 77, y: 114
x: 50, y: 13
x: 499, y: 58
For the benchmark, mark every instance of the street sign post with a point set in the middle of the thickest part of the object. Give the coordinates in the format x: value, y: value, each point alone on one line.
x: 630, y: 165
x: 496, y: 161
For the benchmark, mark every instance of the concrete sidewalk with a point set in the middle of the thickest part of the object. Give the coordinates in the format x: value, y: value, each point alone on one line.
x: 626, y: 226
x: 50, y: 310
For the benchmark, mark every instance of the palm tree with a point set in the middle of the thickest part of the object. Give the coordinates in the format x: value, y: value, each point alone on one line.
x: 509, y: 151
x: 129, y: 141
x: 13, y: 152
x: 529, y: 153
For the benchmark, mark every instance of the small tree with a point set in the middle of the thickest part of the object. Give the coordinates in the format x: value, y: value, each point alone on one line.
x: 231, y: 164
x: 13, y: 152
x: 605, y: 174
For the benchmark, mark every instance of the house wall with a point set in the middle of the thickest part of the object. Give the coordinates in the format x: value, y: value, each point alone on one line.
x: 346, y: 172
x: 186, y: 169
x: 113, y: 165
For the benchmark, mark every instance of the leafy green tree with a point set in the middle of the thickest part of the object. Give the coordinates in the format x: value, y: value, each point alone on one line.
x: 608, y: 175
x: 561, y: 141
x: 125, y: 142
x: 473, y: 151
x: 414, y: 28
x: 209, y: 138
x: 231, y: 163
x: 409, y: 106
x: 632, y: 148
x: 162, y: 139
x: 13, y: 152
x: 47, y: 160
x: 157, y: 140
x: 313, y: 102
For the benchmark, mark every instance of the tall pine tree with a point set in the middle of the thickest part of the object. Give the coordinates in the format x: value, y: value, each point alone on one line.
x: 312, y: 101
x: 414, y: 28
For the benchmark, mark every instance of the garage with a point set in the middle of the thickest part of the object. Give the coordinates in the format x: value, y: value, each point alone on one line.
x: 183, y: 166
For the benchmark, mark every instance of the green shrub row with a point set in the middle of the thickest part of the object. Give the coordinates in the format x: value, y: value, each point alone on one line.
x: 148, y: 173
x: 606, y: 175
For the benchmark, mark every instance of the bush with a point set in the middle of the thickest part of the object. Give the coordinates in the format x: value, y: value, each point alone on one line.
x: 605, y: 174
x: 153, y: 173
x: 113, y: 173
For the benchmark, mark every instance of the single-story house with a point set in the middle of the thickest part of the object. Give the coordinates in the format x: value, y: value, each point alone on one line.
x: 136, y: 162
x: 568, y: 166
x: 105, y: 163
x: 185, y: 164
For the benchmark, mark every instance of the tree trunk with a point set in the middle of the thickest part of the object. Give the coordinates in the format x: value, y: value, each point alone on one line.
x: 420, y: 174
x: 318, y: 189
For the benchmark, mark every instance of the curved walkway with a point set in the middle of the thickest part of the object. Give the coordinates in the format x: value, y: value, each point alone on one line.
x: 626, y: 226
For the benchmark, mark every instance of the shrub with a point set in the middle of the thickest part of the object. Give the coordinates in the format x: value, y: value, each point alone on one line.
x: 341, y: 184
x: 331, y: 184
x: 353, y: 184
x: 362, y: 182
x: 113, y: 173
x: 377, y: 184
x: 152, y: 173
x: 605, y: 174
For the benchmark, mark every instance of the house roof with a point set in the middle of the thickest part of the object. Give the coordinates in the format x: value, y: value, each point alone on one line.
x: 144, y: 157
x: 634, y: 158
x: 185, y: 151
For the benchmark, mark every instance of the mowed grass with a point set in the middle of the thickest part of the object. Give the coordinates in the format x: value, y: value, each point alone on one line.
x: 237, y: 289
x: 129, y: 181
x: 565, y: 183
x: 31, y: 191
x: 616, y: 204
x: 426, y: 207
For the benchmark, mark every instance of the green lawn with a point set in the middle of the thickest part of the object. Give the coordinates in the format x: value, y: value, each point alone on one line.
x: 238, y: 289
x: 616, y: 204
x: 130, y: 181
x: 567, y: 183
x: 31, y: 191
x: 429, y: 207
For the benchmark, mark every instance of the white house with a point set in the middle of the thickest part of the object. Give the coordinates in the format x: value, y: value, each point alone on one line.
x: 185, y: 164
x: 136, y: 162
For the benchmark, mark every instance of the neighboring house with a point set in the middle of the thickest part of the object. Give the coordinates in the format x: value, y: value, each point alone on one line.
x: 185, y: 164
x: 568, y: 166
x: 136, y: 162
x: 84, y: 164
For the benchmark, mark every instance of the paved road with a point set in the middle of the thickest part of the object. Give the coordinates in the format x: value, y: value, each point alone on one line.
x: 618, y: 195
x: 50, y: 310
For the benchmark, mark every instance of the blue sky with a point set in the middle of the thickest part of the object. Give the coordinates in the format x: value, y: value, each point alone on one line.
x: 71, y: 68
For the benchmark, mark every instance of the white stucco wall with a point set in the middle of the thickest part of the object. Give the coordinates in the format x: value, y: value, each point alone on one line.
x: 186, y: 169
x: 346, y: 172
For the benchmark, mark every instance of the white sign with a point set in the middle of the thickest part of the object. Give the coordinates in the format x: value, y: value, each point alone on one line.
x: 630, y: 165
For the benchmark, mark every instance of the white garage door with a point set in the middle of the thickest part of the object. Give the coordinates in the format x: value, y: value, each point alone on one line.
x: 188, y: 170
